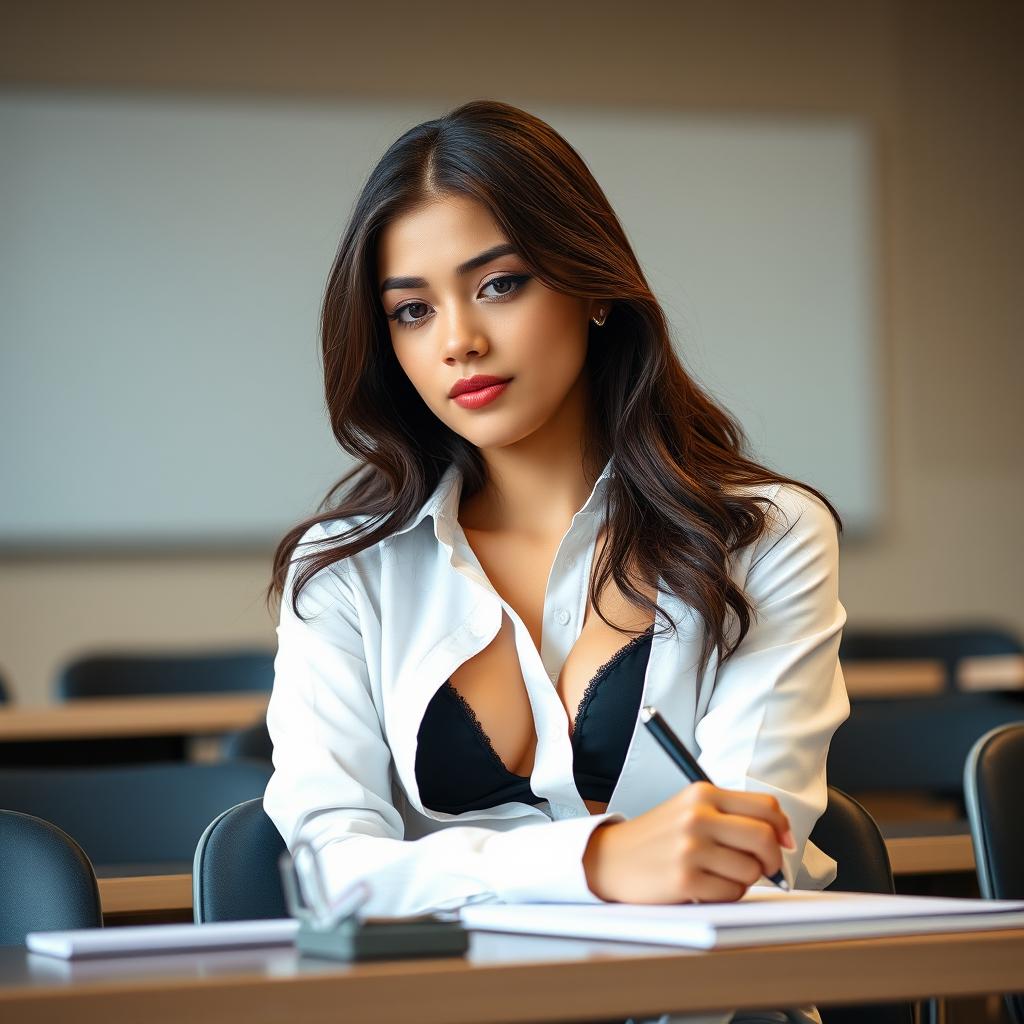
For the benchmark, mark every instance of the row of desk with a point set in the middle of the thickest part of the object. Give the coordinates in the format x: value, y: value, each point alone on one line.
x: 506, y: 978
x: 110, y: 717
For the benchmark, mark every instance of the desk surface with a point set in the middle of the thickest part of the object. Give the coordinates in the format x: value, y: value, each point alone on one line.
x: 104, y: 717
x: 503, y: 978
x: 929, y: 847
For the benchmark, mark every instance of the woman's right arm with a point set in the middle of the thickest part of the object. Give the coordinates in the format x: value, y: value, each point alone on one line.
x: 332, y: 781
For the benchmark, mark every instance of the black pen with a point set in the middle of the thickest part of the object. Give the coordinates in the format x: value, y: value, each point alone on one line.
x: 673, y: 746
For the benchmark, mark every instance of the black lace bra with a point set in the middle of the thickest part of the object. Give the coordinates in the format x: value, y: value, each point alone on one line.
x: 457, y: 768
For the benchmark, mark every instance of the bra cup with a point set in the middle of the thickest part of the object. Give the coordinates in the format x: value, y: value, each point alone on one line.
x: 457, y: 768
x: 606, y: 721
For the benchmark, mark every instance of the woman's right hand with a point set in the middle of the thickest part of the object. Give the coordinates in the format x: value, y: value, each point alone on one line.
x: 703, y: 844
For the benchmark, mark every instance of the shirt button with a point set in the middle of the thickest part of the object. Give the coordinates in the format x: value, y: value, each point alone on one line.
x: 571, y: 564
x: 561, y: 616
x: 478, y: 627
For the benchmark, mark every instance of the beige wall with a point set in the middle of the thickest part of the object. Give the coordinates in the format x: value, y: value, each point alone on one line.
x: 941, y: 83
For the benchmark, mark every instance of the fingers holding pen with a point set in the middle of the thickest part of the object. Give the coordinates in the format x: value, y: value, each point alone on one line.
x: 704, y: 843
x: 731, y: 820
x: 761, y: 806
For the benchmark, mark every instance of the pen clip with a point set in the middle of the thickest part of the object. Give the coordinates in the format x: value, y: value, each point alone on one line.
x: 306, y: 892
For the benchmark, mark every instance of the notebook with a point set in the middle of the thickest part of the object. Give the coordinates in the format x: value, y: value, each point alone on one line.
x: 162, y: 938
x: 763, y: 915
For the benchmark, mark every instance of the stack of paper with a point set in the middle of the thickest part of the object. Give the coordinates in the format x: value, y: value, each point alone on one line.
x: 764, y: 915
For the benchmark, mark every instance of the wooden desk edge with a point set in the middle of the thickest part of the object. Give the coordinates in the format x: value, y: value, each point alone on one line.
x: 926, y: 855
x: 145, y: 894
x: 109, y: 717
x: 441, y: 991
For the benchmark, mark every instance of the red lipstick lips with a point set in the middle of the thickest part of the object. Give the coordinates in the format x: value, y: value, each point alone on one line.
x: 475, y: 383
x: 474, y: 392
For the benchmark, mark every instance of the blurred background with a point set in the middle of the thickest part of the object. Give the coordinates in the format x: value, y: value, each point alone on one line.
x: 826, y: 197
x: 920, y: 103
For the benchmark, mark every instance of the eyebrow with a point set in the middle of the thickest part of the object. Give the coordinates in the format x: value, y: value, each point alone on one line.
x: 503, y: 249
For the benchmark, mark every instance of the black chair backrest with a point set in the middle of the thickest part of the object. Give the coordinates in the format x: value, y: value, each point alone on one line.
x: 5, y: 693
x: 46, y: 880
x: 235, y: 875
x: 121, y: 675
x: 994, y: 792
x: 994, y: 788
x: 848, y: 834
x: 149, y: 813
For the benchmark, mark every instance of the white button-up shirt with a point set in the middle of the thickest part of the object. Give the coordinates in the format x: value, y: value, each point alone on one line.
x: 392, y: 623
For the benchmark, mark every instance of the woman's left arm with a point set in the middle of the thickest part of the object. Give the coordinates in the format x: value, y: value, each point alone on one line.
x: 776, y: 703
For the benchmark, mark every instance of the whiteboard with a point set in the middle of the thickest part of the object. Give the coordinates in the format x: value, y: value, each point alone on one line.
x: 163, y: 260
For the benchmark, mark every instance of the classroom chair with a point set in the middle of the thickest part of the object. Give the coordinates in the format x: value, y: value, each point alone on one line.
x: 899, y: 741
x: 46, y: 880
x: 222, y: 890
x: 994, y: 792
x: 149, y: 814
x: 125, y: 675
x: 848, y: 833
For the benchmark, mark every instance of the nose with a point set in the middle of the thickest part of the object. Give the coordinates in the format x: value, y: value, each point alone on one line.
x: 463, y: 335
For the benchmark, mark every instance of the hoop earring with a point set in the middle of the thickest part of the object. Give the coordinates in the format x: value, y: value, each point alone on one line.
x: 600, y: 318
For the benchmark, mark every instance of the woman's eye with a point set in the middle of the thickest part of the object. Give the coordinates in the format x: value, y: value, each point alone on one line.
x: 397, y: 315
x: 507, y: 286
x: 514, y: 282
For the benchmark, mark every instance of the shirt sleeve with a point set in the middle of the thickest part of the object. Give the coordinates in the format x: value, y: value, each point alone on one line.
x: 332, y: 782
x: 777, y: 702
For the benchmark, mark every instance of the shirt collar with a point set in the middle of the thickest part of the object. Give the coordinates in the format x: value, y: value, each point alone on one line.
x: 443, y: 503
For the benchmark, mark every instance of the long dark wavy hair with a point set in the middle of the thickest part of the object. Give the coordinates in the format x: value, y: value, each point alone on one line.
x: 676, y: 451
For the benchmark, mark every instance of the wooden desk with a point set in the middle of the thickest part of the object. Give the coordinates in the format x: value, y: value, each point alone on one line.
x: 145, y: 894
x: 110, y: 717
x: 929, y: 847
x: 925, y: 677
x: 504, y: 978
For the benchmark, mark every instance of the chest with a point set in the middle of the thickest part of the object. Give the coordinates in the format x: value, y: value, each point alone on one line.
x: 492, y: 681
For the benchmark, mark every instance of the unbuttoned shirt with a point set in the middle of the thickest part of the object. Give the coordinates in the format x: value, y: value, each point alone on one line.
x: 388, y: 626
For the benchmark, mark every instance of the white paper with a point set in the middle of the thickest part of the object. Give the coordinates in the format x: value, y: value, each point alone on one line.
x: 162, y: 938
x: 763, y: 916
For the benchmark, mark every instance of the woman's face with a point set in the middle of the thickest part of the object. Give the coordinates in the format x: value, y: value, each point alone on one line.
x: 468, y: 310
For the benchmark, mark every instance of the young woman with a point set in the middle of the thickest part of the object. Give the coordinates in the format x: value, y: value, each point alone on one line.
x: 549, y: 525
